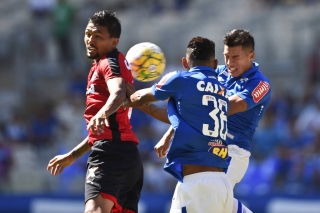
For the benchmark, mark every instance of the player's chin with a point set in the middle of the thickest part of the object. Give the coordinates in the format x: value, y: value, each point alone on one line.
x: 93, y: 56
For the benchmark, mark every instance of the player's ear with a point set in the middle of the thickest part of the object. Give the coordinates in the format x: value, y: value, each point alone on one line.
x: 185, y: 63
x: 252, y: 55
x: 115, y: 42
x: 215, y: 63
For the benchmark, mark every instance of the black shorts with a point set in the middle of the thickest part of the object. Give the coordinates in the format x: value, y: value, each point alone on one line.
x: 115, y: 170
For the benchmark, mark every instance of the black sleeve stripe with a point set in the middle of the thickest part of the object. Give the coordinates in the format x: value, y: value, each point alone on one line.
x: 114, y: 65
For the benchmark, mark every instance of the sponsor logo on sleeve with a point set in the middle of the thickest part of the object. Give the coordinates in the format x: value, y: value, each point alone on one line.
x: 260, y: 91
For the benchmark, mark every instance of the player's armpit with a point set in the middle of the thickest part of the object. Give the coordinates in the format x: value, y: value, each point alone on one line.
x: 237, y: 104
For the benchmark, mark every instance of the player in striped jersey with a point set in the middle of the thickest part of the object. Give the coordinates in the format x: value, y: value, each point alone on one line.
x: 114, y: 169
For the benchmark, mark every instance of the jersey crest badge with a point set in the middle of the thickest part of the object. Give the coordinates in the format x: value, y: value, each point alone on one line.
x: 242, y: 80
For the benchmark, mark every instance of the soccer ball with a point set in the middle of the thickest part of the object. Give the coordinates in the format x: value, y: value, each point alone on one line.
x: 147, y: 61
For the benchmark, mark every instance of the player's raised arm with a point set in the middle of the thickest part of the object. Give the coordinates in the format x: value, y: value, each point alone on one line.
x: 153, y: 110
x: 140, y: 98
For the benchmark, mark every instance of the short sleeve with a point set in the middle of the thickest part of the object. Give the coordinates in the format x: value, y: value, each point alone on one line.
x: 168, y: 86
x: 110, y: 68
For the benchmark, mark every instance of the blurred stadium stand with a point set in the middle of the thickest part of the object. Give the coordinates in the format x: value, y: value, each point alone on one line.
x: 42, y: 98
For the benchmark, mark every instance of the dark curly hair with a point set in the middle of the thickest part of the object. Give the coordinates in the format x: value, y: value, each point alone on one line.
x: 239, y: 37
x: 201, y: 49
x: 109, y: 20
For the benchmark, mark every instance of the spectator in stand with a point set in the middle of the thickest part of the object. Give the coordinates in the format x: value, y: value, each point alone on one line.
x: 313, y: 75
x: 267, y: 135
x: 15, y: 130
x: 63, y: 17
x: 309, y: 117
x: 40, y: 11
x: 44, y: 126
x: 283, y: 166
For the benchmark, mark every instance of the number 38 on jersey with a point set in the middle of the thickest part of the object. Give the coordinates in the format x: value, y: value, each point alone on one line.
x: 219, y: 112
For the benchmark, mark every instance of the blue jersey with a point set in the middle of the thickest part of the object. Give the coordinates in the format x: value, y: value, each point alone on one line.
x: 254, y: 88
x: 197, y: 109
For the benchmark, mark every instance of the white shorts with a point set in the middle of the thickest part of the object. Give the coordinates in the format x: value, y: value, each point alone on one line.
x: 203, y: 192
x: 238, y: 164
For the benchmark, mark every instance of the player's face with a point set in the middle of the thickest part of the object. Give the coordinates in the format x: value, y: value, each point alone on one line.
x: 98, y: 41
x: 238, y: 59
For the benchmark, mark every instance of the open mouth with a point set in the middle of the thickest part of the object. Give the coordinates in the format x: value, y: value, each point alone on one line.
x: 232, y: 70
x: 91, y: 49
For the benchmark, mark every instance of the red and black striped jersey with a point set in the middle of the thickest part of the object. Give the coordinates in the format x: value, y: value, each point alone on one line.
x: 110, y: 66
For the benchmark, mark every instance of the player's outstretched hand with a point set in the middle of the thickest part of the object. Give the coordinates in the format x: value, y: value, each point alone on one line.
x: 162, y: 146
x: 59, y: 163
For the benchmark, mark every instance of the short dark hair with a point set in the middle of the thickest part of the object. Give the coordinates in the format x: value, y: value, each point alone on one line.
x: 109, y: 20
x: 201, y: 49
x: 239, y: 37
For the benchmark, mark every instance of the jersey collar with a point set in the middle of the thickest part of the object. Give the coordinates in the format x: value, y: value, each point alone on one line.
x: 201, y: 68
x: 113, y: 53
x: 103, y: 57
